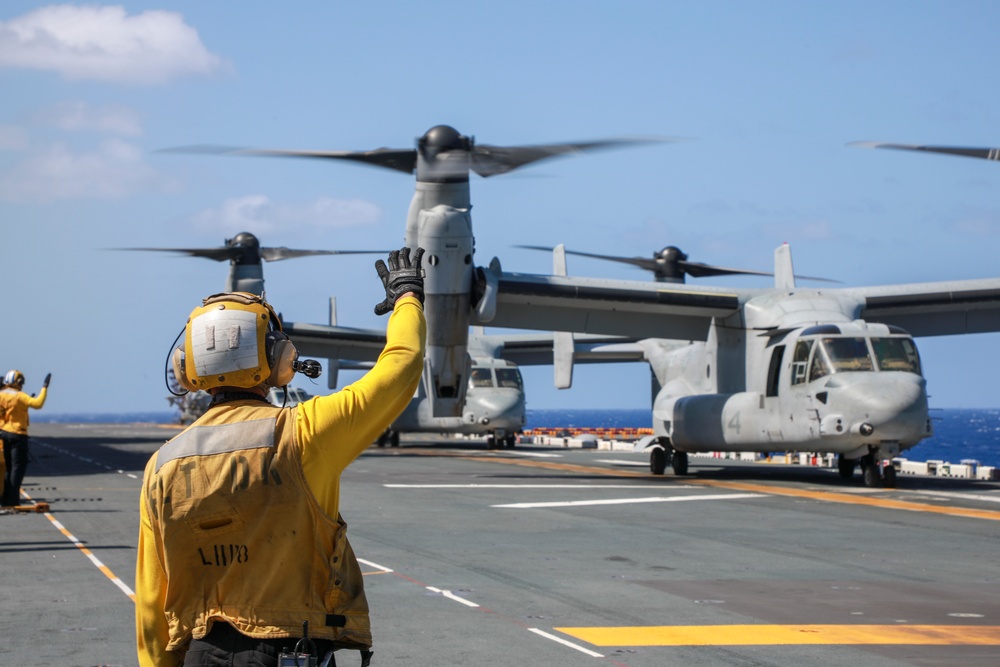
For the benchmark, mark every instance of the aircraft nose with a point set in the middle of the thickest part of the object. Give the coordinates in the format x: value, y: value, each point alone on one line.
x: 891, y: 407
x: 502, y: 407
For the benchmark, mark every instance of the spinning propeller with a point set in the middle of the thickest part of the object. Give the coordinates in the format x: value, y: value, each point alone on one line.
x: 671, y: 265
x: 981, y: 153
x: 245, y: 254
x: 244, y: 248
x: 441, y: 154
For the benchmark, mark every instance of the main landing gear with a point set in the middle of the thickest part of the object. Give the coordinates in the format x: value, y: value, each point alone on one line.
x: 662, y: 454
x: 499, y: 440
x: 388, y: 437
x: 875, y: 472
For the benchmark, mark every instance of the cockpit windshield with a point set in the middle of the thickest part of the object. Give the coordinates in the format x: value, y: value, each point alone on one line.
x: 840, y: 354
x: 896, y: 354
x: 481, y: 377
x: 509, y: 377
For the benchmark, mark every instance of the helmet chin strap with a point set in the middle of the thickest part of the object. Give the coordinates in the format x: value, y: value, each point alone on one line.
x: 237, y: 395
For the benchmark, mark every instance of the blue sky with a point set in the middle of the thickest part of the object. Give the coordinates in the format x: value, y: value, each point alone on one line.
x: 765, y: 96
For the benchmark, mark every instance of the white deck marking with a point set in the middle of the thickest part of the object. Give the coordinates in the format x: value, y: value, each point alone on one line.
x: 562, y: 641
x: 534, y: 486
x: 452, y: 596
x: 957, y: 494
x: 628, y: 501
x: 380, y: 568
x: 622, y: 462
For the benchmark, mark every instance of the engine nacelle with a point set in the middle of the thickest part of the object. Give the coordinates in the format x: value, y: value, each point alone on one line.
x: 445, y: 234
x: 711, y: 422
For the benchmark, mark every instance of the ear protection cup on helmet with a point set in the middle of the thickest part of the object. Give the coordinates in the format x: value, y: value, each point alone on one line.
x: 281, y: 357
x: 177, y: 360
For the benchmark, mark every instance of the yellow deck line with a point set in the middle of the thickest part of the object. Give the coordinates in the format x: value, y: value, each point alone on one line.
x: 824, y: 496
x: 771, y: 635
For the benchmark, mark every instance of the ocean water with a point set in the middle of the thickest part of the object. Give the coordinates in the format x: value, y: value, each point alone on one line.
x: 958, y: 434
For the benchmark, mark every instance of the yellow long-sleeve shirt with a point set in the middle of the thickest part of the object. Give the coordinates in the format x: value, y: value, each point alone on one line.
x: 332, y: 431
x: 14, y: 406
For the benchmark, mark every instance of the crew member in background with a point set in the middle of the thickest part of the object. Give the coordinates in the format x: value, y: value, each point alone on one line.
x: 14, y: 405
x: 240, y: 536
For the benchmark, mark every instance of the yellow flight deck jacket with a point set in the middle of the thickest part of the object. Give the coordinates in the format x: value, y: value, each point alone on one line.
x: 239, y: 517
x: 14, y: 406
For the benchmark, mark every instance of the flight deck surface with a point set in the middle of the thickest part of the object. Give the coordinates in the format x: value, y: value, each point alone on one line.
x: 556, y: 557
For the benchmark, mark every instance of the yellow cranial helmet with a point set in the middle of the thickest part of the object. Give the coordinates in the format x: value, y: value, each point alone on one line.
x: 234, y: 340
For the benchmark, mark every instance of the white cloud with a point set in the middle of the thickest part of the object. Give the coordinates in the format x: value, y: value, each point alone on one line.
x: 105, y: 44
x: 258, y: 214
x: 13, y: 138
x: 82, y: 117
x: 114, y: 170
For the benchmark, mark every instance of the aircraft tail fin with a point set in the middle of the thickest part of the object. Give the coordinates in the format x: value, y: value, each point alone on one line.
x: 559, y: 260
x: 784, y: 275
x: 562, y: 341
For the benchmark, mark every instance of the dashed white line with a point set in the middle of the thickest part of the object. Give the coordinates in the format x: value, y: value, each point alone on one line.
x: 452, y: 596
x: 381, y: 568
x: 627, y: 501
x: 534, y: 486
x: 565, y: 643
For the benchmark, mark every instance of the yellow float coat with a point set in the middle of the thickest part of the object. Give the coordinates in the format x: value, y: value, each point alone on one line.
x: 247, y: 499
x: 14, y: 406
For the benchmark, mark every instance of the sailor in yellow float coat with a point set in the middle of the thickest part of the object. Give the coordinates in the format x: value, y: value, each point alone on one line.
x: 14, y: 405
x: 269, y: 551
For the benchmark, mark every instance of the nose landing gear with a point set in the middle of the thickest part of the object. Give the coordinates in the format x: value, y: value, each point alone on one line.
x: 878, y: 472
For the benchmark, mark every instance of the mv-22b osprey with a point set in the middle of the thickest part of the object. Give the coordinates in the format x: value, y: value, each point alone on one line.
x: 439, y: 221
x: 495, y: 402
x: 786, y: 368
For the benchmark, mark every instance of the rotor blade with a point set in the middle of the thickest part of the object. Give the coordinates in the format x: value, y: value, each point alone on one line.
x: 981, y: 153
x: 220, y: 254
x: 276, y: 254
x: 642, y: 262
x: 402, y: 159
x: 487, y: 160
x: 702, y: 270
x: 693, y: 269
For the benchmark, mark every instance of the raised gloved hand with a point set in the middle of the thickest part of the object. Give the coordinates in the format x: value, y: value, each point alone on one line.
x: 45, y: 384
x: 402, y: 275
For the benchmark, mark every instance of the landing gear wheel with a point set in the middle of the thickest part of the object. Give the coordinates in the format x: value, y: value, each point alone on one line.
x: 679, y: 461
x: 871, y: 472
x: 383, y: 438
x: 889, y: 476
x: 845, y: 466
x: 491, y: 442
x: 658, y: 461
x: 394, y: 439
x: 510, y: 441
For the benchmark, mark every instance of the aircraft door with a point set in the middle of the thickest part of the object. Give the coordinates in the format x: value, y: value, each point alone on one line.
x: 797, y: 411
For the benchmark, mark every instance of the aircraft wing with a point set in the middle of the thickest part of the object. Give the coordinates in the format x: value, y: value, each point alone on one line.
x: 538, y: 349
x: 318, y: 340
x: 935, y: 309
x: 618, y: 307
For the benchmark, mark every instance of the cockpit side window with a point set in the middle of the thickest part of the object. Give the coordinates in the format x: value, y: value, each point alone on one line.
x: 481, y: 377
x: 509, y: 377
x: 820, y: 366
x: 800, y: 361
x: 896, y: 354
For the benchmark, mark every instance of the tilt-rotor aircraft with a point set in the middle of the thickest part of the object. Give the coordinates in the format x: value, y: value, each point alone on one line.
x: 439, y: 221
x: 786, y: 368
x: 495, y: 405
